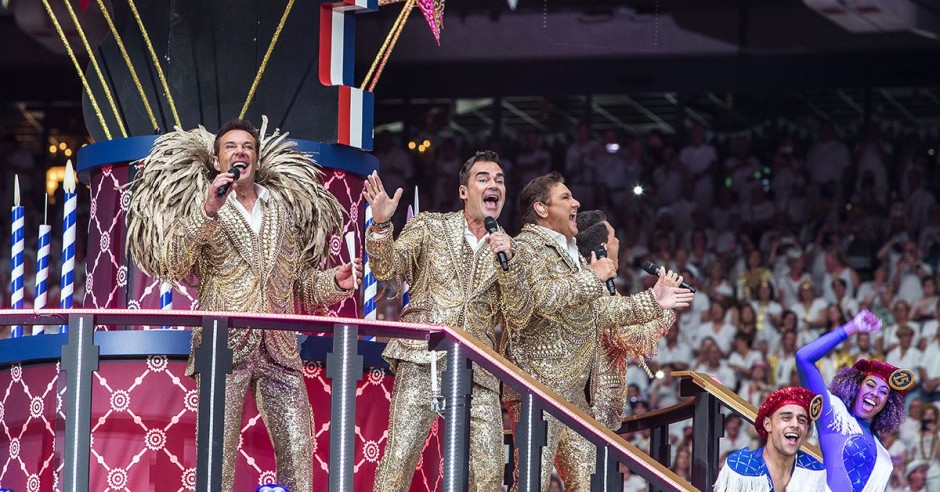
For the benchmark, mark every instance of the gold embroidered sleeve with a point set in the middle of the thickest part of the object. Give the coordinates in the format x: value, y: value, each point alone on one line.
x: 182, y: 250
x: 627, y: 310
x: 540, y: 290
x: 317, y: 289
x: 641, y: 340
x: 390, y: 257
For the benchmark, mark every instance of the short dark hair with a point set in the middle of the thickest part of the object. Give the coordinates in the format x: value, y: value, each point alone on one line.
x: 537, y: 190
x: 479, y: 156
x: 590, y: 238
x: 236, y: 124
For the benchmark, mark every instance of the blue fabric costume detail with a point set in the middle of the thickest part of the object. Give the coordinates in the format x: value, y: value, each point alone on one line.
x: 847, y: 443
x: 859, y: 457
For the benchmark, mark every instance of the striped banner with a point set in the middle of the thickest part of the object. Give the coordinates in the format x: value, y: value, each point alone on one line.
x: 337, y: 68
x: 355, y: 117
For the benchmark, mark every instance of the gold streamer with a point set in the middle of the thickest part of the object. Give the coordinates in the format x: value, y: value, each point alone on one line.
x: 94, y: 63
x: 264, y: 61
x: 78, y: 68
x: 388, y: 53
x: 130, y: 64
x: 156, y: 62
x: 399, y: 22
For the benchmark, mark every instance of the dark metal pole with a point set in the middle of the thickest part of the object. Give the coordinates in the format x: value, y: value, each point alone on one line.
x: 659, y: 446
x: 344, y: 368
x: 457, y: 380
x: 79, y: 360
x: 606, y: 477
x: 213, y: 362
x: 708, y: 425
x: 530, y: 433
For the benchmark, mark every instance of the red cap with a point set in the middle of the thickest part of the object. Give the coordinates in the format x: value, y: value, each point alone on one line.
x: 898, y: 379
x: 793, y: 395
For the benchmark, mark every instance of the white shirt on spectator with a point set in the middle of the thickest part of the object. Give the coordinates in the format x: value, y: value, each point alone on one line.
x: 827, y: 161
x: 723, y: 373
x: 911, y: 359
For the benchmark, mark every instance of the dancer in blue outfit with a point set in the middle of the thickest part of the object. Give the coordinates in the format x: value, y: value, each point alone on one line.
x: 861, y: 402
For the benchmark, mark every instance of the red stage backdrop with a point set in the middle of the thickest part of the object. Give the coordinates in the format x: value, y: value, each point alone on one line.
x: 144, y: 423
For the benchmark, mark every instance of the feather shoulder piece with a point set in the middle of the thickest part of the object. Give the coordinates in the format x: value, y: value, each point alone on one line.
x: 172, y: 181
x: 293, y: 178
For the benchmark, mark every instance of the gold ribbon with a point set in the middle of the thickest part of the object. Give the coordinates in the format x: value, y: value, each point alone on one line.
x: 94, y: 63
x: 156, y: 62
x: 130, y: 64
x: 264, y: 61
x: 387, y: 46
x: 78, y: 68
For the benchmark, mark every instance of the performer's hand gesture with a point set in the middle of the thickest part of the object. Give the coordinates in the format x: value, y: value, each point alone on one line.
x: 344, y: 277
x: 667, y: 291
x: 863, y: 322
x: 383, y: 206
x: 500, y: 243
x: 213, y: 201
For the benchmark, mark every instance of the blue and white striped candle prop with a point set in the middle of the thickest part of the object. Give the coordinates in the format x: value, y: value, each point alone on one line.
x: 42, y: 265
x: 68, y: 241
x: 369, y: 287
x: 166, y: 297
x: 17, y: 243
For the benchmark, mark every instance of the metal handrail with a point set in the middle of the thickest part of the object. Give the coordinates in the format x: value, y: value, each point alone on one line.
x: 80, y: 358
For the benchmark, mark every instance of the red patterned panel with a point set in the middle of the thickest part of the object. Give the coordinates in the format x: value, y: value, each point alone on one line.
x: 143, y: 424
x: 28, y: 419
x: 106, y: 278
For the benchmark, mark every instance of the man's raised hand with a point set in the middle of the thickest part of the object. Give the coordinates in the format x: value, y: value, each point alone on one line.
x: 383, y: 205
x: 668, y: 293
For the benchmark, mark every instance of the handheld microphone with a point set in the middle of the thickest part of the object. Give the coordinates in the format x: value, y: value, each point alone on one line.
x: 491, y: 227
x: 601, y: 252
x: 653, y: 269
x: 224, y: 188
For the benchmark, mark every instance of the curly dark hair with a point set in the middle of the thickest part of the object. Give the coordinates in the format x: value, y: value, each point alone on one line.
x: 845, y: 386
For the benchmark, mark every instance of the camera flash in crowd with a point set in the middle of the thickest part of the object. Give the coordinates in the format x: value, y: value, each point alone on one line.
x: 660, y: 374
x: 638, y: 190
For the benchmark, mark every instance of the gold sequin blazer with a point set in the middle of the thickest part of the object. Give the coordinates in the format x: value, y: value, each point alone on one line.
x: 239, y: 270
x: 448, y: 283
x: 554, y: 317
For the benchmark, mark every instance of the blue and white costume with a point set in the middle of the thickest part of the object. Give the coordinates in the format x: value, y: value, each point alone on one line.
x: 746, y: 471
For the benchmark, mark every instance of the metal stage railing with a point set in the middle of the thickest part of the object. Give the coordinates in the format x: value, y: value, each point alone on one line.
x: 80, y: 356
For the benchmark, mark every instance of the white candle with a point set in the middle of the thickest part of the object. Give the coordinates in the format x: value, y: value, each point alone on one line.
x: 433, y: 373
x: 351, y: 249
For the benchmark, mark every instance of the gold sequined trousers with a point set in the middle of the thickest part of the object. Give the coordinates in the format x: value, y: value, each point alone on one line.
x: 281, y: 397
x: 572, y: 455
x: 410, y: 420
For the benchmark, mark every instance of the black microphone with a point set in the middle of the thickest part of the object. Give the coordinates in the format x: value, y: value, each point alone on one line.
x: 491, y: 227
x: 224, y: 188
x: 601, y: 252
x: 653, y: 269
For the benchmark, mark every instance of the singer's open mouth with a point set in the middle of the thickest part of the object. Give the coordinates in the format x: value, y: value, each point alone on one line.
x: 240, y: 165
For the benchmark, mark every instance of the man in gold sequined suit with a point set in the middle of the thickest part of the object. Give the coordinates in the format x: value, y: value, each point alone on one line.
x: 246, y: 252
x: 615, y: 345
x: 454, y: 280
x: 554, y: 316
